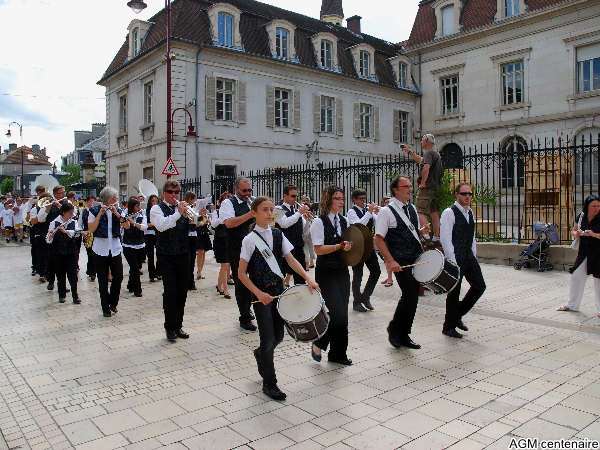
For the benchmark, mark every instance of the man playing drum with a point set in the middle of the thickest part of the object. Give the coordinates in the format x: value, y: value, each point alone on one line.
x: 261, y: 270
x: 458, y: 242
x: 398, y: 238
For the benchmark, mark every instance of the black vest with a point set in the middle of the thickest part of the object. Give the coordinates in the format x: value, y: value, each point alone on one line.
x: 174, y: 241
x: 401, y: 242
x: 462, y: 235
x: 293, y: 233
x: 62, y: 244
x: 333, y: 260
x: 132, y: 235
x: 259, y: 271
x: 236, y: 235
x: 360, y: 213
x: 102, y: 230
x: 85, y: 215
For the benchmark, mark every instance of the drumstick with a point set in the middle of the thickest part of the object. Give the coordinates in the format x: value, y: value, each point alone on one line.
x: 277, y: 296
x: 413, y: 265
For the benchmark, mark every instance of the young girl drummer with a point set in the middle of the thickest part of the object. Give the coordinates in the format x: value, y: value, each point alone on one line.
x: 263, y: 249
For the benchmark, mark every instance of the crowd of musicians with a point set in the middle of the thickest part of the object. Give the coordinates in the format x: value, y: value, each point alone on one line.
x: 263, y: 246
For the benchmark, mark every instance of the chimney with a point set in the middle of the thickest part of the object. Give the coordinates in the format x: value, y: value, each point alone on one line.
x: 35, y: 148
x: 12, y: 147
x: 353, y: 24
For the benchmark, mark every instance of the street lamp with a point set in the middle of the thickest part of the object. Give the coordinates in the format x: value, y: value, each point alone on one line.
x: 137, y: 6
x: 8, y: 133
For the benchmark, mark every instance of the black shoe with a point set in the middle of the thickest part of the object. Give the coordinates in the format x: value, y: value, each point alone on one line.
x: 461, y: 326
x: 171, y: 336
x: 67, y: 290
x: 62, y: 299
x: 315, y: 356
x: 137, y: 294
x: 343, y: 361
x: 33, y: 273
x: 50, y: 286
x: 152, y: 280
x: 159, y: 277
x: 368, y: 305
x: 182, y: 334
x: 114, y: 309
x: 92, y: 277
x: 106, y: 313
x: 271, y: 390
x: 258, y: 363
x: 359, y: 307
x: 248, y: 326
x: 76, y: 301
x: 192, y: 287
x: 405, y: 341
x: 451, y: 332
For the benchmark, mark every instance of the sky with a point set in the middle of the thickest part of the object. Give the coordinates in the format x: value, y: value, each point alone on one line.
x: 55, y: 51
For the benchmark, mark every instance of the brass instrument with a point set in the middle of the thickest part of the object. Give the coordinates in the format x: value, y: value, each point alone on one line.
x: 190, y: 214
x: 45, y: 202
x: 309, y: 216
x: 88, y: 239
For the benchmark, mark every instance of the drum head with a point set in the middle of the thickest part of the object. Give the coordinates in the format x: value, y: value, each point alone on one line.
x: 355, y: 235
x: 430, y: 265
x: 298, y: 305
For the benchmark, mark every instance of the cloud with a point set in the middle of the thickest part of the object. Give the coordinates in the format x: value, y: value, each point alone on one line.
x: 12, y: 107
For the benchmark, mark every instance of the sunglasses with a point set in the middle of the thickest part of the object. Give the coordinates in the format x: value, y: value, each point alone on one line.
x: 169, y: 191
x: 245, y: 190
x: 466, y: 194
x: 293, y: 196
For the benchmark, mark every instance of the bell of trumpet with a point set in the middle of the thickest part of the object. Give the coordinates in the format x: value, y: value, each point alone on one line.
x: 45, y: 201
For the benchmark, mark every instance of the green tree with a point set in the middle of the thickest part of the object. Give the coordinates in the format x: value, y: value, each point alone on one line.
x: 74, y: 176
x: 7, y: 185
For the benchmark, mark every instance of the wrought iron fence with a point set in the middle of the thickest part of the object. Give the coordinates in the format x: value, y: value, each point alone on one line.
x: 517, y: 183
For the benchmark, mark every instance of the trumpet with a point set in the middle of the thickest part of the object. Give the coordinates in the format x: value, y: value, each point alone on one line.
x: 190, y: 214
x: 308, y: 215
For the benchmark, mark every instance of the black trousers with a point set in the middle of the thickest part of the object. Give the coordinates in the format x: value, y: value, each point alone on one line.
x: 38, y: 254
x: 401, y: 324
x: 66, y: 268
x: 270, y: 330
x: 357, y: 274
x: 193, y: 245
x: 456, y: 309
x: 335, y: 289
x: 104, y: 264
x: 91, y: 268
x: 150, y: 240
x: 298, y: 253
x: 50, y: 265
x: 134, y: 259
x: 174, y: 271
x: 243, y: 296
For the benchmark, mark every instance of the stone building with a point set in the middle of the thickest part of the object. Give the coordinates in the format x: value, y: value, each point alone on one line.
x: 261, y: 84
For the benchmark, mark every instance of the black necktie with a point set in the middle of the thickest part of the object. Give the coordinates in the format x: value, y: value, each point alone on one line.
x: 293, y: 210
x: 335, y: 225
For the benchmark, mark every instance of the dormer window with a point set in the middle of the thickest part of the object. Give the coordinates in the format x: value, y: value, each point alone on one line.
x: 281, y: 43
x: 365, y: 64
x: 363, y: 57
x: 326, y: 54
x: 137, y: 32
x: 325, y: 49
x: 225, y: 23
x: 447, y: 17
x: 448, y: 20
x: 511, y: 8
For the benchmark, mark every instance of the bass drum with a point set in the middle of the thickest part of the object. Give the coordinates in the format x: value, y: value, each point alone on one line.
x: 305, y: 314
x: 435, y: 272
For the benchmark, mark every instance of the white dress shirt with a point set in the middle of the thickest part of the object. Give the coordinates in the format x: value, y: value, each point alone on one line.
x: 144, y: 227
x: 386, y: 218
x: 248, y: 245
x: 285, y: 222
x: 226, y: 211
x: 353, y: 217
x: 162, y: 222
x: 18, y: 216
x: 7, y: 218
x: 317, y: 230
x: 106, y: 246
x: 51, y: 228
x: 215, y: 219
x: 447, y: 225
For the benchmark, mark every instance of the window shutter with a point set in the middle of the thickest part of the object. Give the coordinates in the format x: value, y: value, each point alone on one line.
x: 356, y: 120
x: 376, y: 123
x: 396, y: 126
x: 241, y: 102
x: 211, y: 98
x: 297, y: 117
x: 339, y: 117
x: 270, y: 107
x: 316, y: 113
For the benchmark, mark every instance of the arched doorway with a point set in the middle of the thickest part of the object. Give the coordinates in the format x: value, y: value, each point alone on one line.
x: 586, y: 155
x: 452, y: 156
x: 512, y: 162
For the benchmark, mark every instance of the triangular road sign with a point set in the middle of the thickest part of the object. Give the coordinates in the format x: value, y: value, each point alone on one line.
x: 170, y: 169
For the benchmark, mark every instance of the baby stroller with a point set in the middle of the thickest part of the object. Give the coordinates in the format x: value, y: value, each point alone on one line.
x: 536, y: 253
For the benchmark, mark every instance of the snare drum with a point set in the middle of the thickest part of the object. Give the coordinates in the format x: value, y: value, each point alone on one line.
x: 435, y: 272
x: 305, y: 314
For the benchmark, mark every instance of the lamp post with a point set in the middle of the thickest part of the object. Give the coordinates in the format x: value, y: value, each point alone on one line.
x: 8, y: 135
x: 138, y: 6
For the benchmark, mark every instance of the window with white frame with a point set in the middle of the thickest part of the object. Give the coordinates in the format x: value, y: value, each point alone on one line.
x: 403, y: 126
x: 403, y: 75
x: 123, y: 185
x: 123, y: 114
x: 365, y: 63
x: 512, y: 82
x: 224, y: 97
x: 225, y: 23
x: 135, y: 40
x: 588, y: 68
x: 366, y: 120
x: 282, y: 37
x: 148, y: 91
x: 448, y: 26
x: 327, y: 113
x: 326, y: 54
x: 449, y: 93
x: 511, y: 8
x: 282, y: 108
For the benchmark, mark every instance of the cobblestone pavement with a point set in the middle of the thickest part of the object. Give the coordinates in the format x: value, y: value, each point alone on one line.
x: 70, y: 378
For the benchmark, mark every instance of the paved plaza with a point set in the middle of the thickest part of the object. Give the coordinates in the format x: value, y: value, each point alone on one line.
x: 70, y: 378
